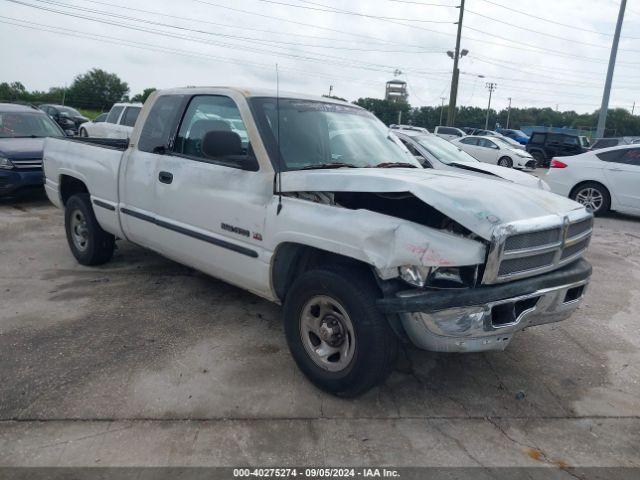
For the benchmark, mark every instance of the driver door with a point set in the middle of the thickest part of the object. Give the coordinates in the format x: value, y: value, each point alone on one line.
x: 211, y: 210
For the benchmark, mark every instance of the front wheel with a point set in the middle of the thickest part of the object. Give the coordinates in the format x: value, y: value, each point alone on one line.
x: 336, y: 334
x: 83, y: 133
x: 88, y: 242
x: 505, y: 162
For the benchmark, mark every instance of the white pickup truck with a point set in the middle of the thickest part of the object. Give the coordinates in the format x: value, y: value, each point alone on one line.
x: 314, y: 204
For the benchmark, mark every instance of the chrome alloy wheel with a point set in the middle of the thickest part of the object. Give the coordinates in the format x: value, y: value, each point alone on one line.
x: 79, y: 230
x: 327, y: 333
x: 591, y: 198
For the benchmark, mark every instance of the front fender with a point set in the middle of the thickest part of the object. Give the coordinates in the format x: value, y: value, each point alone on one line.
x: 379, y: 240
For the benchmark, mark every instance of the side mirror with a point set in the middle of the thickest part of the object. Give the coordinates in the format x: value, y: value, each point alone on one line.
x: 221, y: 143
x: 70, y: 133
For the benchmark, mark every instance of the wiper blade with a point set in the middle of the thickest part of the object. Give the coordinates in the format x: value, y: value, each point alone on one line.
x: 395, y: 165
x: 319, y: 166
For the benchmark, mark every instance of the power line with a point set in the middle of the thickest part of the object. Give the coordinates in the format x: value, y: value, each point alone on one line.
x: 349, y: 63
x: 161, y: 49
x: 271, y: 32
x: 205, y: 32
x: 557, y: 53
x: 330, y: 9
x: 280, y: 19
x: 550, y: 35
x: 530, y: 15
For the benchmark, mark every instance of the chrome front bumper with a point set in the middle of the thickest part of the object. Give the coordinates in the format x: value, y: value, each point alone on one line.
x: 491, y: 326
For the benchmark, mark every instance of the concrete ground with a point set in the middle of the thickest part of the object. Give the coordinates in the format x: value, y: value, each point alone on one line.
x: 145, y: 362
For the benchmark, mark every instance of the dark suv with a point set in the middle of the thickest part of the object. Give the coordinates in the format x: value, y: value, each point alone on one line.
x: 543, y: 146
x: 68, y: 118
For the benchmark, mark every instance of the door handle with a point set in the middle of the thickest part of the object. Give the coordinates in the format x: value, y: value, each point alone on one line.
x: 615, y: 170
x: 165, y: 177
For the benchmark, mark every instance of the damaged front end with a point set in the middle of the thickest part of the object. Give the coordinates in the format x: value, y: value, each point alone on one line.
x: 462, y: 268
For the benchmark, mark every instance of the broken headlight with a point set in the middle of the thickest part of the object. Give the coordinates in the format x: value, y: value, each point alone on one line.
x: 439, y: 277
x: 415, y: 275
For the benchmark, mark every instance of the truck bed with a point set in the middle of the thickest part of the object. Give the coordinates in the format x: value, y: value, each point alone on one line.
x: 113, y: 143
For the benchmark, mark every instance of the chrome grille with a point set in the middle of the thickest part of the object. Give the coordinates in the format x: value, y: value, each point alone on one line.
x: 524, y: 264
x: 527, y: 248
x: 533, y: 239
x: 575, y: 248
x: 27, y: 163
x: 580, y: 227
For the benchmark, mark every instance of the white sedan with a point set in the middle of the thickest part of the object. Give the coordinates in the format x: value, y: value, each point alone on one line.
x: 496, y: 151
x: 601, y: 180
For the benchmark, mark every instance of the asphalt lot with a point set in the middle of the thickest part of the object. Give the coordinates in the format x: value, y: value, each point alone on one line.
x: 145, y: 362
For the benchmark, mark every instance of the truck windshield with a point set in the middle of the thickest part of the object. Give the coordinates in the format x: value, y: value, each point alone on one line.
x: 18, y: 124
x: 315, y: 133
x: 443, y: 150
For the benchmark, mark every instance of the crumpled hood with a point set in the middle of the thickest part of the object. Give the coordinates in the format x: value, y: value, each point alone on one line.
x: 479, y: 204
x: 18, y: 148
x: 509, y: 174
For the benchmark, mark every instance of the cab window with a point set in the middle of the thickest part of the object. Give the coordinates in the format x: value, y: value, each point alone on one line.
x: 130, y: 116
x: 217, y: 117
x: 114, y: 115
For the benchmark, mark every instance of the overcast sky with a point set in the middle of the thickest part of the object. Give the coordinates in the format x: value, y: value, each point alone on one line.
x: 167, y: 43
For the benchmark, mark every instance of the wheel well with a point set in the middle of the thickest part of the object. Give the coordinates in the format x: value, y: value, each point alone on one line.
x: 70, y: 186
x: 574, y: 189
x: 293, y: 259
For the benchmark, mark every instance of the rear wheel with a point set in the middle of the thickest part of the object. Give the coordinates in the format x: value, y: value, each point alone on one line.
x: 88, y: 242
x: 83, y: 133
x: 505, y: 162
x: 335, y: 332
x: 594, y: 196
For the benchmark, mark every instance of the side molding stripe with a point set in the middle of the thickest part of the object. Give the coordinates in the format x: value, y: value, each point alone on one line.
x: 190, y: 233
x: 102, y: 204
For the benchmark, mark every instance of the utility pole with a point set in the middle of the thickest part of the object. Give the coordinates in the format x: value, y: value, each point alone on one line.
x: 330, y: 90
x: 508, y: 113
x: 633, y: 109
x: 400, y: 117
x: 602, y: 119
x: 491, y: 87
x: 453, y: 96
x: 64, y: 94
x: 442, y: 109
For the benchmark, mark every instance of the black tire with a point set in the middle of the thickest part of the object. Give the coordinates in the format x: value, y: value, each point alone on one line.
x: 505, y: 162
x: 375, y: 345
x: 83, y: 133
x: 578, y: 192
x: 80, y: 222
x: 541, y: 161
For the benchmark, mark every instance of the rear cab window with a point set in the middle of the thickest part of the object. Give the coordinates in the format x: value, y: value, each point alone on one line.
x: 161, y: 124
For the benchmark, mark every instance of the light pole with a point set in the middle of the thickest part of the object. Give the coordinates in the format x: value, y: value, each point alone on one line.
x: 453, y: 96
x: 508, y: 113
x: 602, y: 119
x: 491, y: 87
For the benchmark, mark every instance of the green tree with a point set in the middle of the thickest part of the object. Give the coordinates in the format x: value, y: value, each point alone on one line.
x: 142, y: 97
x: 385, y: 110
x: 96, y: 89
x: 12, y: 91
